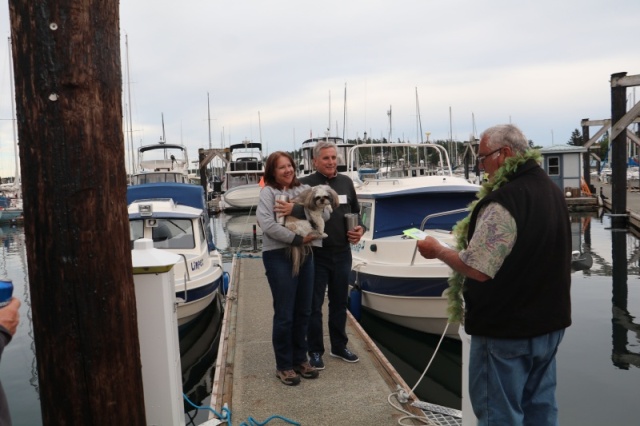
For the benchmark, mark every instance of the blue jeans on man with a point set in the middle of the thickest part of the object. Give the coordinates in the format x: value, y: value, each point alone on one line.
x: 291, y: 307
x: 332, y: 268
x: 513, y: 381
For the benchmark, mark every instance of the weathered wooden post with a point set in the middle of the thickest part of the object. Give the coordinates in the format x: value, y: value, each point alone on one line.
x: 68, y: 93
x: 586, y: 157
x: 618, y: 158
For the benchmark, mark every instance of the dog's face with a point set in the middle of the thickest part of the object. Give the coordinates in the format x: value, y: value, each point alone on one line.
x: 320, y: 196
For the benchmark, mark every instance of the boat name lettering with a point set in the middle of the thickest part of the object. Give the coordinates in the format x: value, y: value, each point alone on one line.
x: 357, y: 247
x: 197, y: 264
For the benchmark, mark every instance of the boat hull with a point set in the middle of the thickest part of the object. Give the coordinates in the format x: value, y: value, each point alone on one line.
x: 413, y: 302
x: 242, y: 197
x: 197, y: 298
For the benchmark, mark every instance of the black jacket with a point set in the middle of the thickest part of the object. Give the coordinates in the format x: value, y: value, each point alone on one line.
x: 530, y: 294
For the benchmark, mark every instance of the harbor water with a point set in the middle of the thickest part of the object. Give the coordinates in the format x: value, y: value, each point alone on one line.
x: 598, y: 361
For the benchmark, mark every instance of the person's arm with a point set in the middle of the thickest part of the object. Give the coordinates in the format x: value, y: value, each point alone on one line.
x: 9, y: 316
x: 265, y: 216
x: 492, y: 241
x: 431, y: 248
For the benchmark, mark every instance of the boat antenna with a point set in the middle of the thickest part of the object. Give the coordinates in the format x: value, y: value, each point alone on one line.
x: 163, y: 139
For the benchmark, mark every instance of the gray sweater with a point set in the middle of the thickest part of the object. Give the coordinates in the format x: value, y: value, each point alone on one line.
x: 274, y: 235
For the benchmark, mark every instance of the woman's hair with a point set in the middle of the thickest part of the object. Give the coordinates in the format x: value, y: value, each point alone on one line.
x: 506, y: 135
x: 270, y: 169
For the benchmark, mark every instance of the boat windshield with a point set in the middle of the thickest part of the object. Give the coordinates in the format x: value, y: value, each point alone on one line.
x: 159, y: 177
x: 165, y: 233
x: 242, y: 179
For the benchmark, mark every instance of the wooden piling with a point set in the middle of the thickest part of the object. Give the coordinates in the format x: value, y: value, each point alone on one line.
x: 68, y: 83
x: 618, y: 158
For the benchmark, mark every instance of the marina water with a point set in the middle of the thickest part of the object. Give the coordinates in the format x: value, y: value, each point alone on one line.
x: 598, y: 361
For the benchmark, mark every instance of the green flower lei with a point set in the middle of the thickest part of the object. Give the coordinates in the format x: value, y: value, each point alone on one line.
x: 460, y: 230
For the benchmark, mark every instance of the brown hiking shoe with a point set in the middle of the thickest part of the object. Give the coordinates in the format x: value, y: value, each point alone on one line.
x: 288, y: 377
x: 306, y: 370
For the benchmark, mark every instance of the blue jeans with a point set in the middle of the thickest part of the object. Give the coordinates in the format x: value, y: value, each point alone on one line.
x: 291, y: 307
x: 332, y: 268
x: 513, y: 381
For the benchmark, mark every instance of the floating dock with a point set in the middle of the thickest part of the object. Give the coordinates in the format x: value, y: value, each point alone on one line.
x: 245, y: 380
x: 633, y: 204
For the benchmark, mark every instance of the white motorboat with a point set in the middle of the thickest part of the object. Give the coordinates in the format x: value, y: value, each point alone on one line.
x: 11, y: 207
x: 175, y: 217
x: 413, y: 189
x: 161, y: 162
x: 245, y: 168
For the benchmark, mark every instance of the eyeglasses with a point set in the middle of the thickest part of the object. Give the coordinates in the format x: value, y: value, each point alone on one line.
x: 481, y: 158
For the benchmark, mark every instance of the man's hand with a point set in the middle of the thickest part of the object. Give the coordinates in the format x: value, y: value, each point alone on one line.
x: 355, y: 234
x: 429, y: 248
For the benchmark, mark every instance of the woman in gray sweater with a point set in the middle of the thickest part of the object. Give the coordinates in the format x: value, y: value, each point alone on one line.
x: 291, y: 293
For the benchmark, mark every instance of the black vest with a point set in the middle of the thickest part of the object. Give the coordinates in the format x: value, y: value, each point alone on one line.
x: 530, y: 294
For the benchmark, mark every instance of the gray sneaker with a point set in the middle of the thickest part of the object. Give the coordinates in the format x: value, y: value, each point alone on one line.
x: 315, y: 359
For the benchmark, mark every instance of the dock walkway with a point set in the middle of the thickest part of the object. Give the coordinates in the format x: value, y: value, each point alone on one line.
x: 344, y: 394
x: 633, y: 203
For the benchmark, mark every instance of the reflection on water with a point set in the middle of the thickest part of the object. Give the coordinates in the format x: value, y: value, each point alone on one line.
x: 409, y: 351
x: 199, y: 342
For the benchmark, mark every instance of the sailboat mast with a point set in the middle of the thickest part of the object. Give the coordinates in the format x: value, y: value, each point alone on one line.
x: 16, y: 180
x: 329, y: 126
x: 418, y: 120
x: 132, y: 151
x: 260, y: 134
x: 344, y: 119
x: 209, y: 119
x: 451, y: 152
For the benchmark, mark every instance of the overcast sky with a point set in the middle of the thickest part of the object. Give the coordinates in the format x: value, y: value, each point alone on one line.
x: 276, y: 71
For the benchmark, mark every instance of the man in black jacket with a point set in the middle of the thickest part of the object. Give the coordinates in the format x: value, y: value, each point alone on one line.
x: 332, y: 261
x: 515, y: 256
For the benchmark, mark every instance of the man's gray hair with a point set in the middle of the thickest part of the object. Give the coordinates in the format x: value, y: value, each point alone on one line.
x: 323, y: 145
x: 506, y: 135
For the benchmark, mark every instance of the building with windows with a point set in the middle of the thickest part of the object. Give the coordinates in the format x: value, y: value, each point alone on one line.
x: 563, y: 164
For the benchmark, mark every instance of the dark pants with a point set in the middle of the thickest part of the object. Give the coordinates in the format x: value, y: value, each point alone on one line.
x: 332, y: 268
x: 291, y: 307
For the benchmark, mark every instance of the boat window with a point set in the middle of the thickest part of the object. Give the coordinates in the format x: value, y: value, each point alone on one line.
x: 203, y: 237
x: 136, y: 230
x: 365, y: 214
x: 173, y: 234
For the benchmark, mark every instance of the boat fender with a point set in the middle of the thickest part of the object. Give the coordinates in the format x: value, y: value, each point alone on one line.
x: 355, y: 302
x: 373, y: 247
x: 225, y: 282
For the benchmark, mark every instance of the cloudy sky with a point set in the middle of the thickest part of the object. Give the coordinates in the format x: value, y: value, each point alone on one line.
x: 276, y: 71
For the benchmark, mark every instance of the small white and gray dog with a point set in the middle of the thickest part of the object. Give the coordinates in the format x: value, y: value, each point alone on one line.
x: 315, y: 200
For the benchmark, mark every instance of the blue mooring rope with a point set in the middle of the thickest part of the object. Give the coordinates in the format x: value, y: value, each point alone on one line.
x: 226, y: 415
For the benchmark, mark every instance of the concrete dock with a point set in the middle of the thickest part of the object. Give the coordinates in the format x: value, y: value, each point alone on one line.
x: 245, y: 380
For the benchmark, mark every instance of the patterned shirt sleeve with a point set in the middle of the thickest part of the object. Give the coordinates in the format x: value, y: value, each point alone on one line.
x: 492, y: 240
